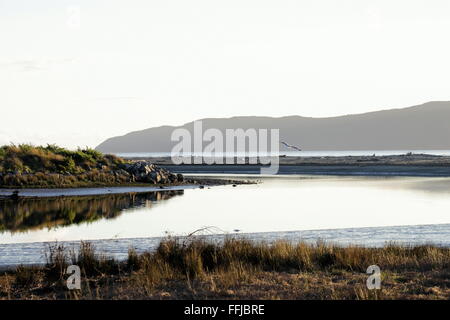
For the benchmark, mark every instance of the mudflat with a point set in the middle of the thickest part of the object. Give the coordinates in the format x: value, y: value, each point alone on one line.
x: 392, y: 165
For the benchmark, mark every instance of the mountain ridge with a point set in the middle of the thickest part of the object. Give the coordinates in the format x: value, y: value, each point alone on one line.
x: 420, y: 127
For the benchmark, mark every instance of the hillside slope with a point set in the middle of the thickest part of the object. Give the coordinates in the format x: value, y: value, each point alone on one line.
x: 423, y: 127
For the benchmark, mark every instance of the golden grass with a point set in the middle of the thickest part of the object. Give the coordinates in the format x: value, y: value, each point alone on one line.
x: 193, y: 268
x: 53, y: 166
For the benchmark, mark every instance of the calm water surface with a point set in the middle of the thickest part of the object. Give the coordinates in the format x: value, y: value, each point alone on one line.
x: 364, y: 210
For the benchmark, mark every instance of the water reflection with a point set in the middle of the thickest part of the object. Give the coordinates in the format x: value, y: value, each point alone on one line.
x: 278, y: 204
x: 35, y: 214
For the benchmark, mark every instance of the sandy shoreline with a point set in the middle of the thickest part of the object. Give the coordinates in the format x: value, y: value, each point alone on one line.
x: 191, y: 183
x: 32, y: 253
x: 341, y: 170
x: 409, y: 165
x: 90, y: 191
x: 393, y: 165
x: 404, y: 159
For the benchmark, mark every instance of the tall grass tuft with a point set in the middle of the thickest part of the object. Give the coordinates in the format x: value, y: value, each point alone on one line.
x: 187, y: 267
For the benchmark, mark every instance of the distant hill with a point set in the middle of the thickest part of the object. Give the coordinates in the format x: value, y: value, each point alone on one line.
x: 423, y: 127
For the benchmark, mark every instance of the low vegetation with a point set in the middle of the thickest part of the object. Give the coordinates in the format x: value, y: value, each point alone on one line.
x: 52, y: 166
x: 27, y: 166
x: 26, y: 158
x: 192, y: 268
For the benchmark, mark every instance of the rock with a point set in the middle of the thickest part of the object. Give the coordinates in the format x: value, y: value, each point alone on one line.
x: 144, y: 171
x: 123, y: 173
x: 180, y: 177
x: 152, y: 177
x: 173, y: 178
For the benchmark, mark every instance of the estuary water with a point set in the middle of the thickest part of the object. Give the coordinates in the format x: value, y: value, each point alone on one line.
x: 347, y: 210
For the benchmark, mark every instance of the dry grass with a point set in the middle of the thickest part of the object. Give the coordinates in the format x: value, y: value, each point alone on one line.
x: 53, y: 166
x: 238, y: 269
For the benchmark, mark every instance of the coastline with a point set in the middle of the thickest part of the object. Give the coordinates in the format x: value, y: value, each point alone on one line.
x: 235, y: 269
x: 95, y: 191
x: 336, y: 170
x: 415, y: 165
x: 400, y: 159
x: 82, y: 172
x: 32, y: 253
x: 197, y: 183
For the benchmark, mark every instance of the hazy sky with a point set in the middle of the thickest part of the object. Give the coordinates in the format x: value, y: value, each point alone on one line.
x: 76, y: 72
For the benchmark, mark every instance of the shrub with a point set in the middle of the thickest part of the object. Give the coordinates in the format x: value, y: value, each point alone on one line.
x: 92, y: 153
x: 12, y: 164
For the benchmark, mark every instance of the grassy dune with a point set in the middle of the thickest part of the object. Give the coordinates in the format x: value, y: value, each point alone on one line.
x: 26, y: 158
x: 238, y: 269
x: 52, y: 166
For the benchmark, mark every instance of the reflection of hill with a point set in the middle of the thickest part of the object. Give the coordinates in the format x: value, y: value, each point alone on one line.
x: 27, y: 214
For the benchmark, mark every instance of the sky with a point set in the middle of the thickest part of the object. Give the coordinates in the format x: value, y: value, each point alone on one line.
x: 77, y: 72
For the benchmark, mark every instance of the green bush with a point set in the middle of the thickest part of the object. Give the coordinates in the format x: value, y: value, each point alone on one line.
x: 2, y: 153
x: 53, y: 148
x: 94, y: 154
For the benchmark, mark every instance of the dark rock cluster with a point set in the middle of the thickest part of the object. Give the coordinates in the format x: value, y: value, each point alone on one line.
x: 144, y: 171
